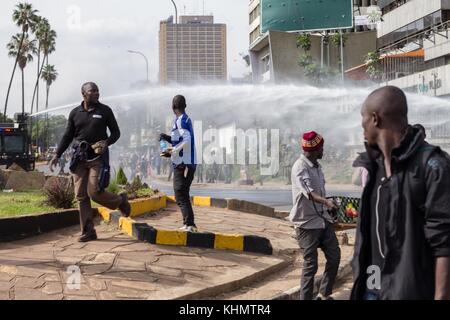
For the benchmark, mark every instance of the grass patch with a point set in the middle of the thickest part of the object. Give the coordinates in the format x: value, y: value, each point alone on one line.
x: 23, y: 203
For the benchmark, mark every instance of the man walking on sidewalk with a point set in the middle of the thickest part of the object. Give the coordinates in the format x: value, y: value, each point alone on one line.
x: 313, y: 224
x: 183, y: 160
x: 86, y: 128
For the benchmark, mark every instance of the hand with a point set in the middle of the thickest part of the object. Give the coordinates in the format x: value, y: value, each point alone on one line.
x: 100, y: 147
x: 167, y: 153
x: 331, y: 205
x: 164, y: 137
x: 54, y: 162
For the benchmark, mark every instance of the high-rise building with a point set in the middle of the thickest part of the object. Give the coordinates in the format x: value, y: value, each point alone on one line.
x: 194, y: 50
x: 414, y: 44
x: 273, y: 48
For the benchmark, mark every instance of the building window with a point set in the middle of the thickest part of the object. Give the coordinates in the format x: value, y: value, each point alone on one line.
x: 255, y: 13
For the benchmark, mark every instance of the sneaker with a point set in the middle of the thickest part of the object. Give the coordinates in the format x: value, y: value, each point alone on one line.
x: 321, y: 297
x: 88, y: 237
x: 124, y: 207
x: 183, y: 228
x: 192, y: 229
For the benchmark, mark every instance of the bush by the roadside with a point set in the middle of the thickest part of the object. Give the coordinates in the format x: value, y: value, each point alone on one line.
x: 121, y: 178
x: 59, y: 193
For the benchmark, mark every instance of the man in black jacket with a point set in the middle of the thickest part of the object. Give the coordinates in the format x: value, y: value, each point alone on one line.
x: 87, y: 126
x: 402, y: 249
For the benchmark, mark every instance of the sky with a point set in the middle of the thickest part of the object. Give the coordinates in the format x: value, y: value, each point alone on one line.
x: 93, y: 39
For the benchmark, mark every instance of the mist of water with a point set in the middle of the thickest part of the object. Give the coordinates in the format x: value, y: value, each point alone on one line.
x: 334, y: 112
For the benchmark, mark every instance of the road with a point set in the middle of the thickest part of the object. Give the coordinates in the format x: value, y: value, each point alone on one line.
x: 279, y: 199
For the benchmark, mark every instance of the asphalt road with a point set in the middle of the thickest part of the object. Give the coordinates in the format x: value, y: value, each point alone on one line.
x: 279, y: 199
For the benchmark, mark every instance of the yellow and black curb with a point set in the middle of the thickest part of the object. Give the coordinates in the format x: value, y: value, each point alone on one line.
x: 146, y: 233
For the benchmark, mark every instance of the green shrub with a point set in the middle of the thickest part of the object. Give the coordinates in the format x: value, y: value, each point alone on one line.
x: 121, y: 178
x: 59, y: 193
x: 113, y: 187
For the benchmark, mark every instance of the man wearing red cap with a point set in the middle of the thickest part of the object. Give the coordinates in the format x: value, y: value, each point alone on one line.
x: 313, y: 224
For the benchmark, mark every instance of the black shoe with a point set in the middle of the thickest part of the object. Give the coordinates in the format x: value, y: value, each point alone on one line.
x: 88, y: 237
x: 320, y: 297
x: 125, y: 208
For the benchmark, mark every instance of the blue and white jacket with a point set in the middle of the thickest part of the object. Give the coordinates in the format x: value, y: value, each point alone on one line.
x: 182, y: 139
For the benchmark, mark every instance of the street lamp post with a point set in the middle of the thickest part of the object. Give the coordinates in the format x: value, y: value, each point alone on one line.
x: 143, y: 55
x: 176, y: 35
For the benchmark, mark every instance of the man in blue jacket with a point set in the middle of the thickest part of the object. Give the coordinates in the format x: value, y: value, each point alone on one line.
x: 184, y: 161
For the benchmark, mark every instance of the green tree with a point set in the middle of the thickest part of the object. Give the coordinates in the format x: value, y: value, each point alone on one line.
x: 49, y: 75
x: 121, y: 178
x: 304, y: 41
x: 46, y: 38
x: 24, y: 16
x: 373, y: 63
x: 22, y: 49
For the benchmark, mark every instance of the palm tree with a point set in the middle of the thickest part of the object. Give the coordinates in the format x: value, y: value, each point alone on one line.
x: 46, y: 44
x: 23, y: 50
x: 49, y: 75
x: 24, y: 16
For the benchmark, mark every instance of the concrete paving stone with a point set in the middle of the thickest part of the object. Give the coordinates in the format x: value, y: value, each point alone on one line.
x: 107, y: 245
x: 4, y: 295
x: 5, y: 285
x: 125, y: 293
x: 27, y: 294
x: 164, y: 271
x: 132, y: 276
x: 127, y: 265
x: 82, y: 298
x: 95, y: 269
x: 106, y: 295
x: 52, y: 288
x: 10, y: 270
x: 96, y: 284
x: 30, y: 283
x: 145, y: 257
x: 84, y: 290
x: 185, y: 262
x: 132, y: 247
x: 52, y: 278
x: 135, y: 285
x: 99, y: 258
x: 5, y: 276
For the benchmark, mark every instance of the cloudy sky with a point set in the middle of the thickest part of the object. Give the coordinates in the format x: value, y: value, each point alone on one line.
x: 94, y: 36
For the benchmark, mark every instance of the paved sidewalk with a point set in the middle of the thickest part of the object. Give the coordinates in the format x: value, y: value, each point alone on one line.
x: 118, y: 267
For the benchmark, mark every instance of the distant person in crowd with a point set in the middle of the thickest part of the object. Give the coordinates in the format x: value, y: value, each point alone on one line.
x: 87, y: 130
x: 402, y: 249
x: 184, y: 161
x: 62, y: 164
x: 311, y: 218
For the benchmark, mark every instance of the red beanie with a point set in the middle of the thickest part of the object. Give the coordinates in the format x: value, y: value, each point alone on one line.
x: 312, y: 141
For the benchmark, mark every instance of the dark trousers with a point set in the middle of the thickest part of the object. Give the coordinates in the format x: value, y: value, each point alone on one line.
x: 181, y: 186
x: 309, y: 241
x: 86, y: 178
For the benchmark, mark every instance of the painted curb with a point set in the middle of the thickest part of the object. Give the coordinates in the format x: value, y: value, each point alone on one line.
x: 294, y: 293
x: 146, y: 233
x: 21, y: 227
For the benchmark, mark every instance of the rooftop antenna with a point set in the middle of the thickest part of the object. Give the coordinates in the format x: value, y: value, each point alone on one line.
x: 184, y: 9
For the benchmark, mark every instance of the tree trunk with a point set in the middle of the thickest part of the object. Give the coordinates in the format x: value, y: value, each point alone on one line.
x: 46, y: 118
x: 23, y: 91
x: 12, y: 75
